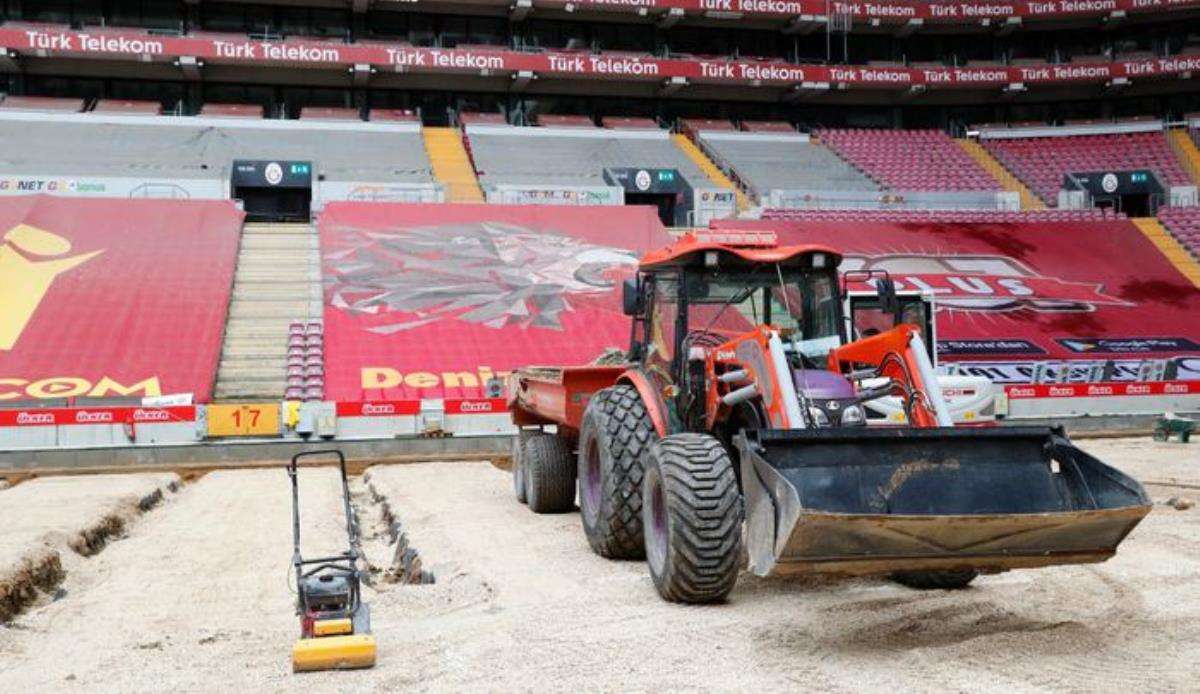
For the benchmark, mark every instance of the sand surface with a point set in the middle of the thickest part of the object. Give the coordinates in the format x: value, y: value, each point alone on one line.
x: 196, y: 598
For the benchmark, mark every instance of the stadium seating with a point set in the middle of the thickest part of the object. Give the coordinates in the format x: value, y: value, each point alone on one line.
x: 129, y: 108
x: 515, y: 155
x: 1042, y: 162
x: 231, y: 111
x: 766, y: 161
x: 1184, y: 225
x: 305, y: 361
x: 191, y: 148
x: 944, y: 216
x: 41, y: 104
x: 626, y: 123
x: 909, y: 160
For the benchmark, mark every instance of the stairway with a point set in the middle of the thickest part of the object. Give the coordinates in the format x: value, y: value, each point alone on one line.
x: 718, y: 177
x: 1175, y: 253
x: 278, y: 280
x: 451, y: 165
x: 1185, y: 148
x: 1009, y: 182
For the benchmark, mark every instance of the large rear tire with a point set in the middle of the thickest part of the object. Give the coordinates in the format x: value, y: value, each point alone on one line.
x: 692, y: 513
x: 935, y: 580
x: 549, y: 471
x: 614, y: 438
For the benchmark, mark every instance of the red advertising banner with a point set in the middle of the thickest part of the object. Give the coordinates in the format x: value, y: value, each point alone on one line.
x: 1101, y: 390
x: 1025, y: 291
x: 50, y: 40
x: 60, y: 416
x: 433, y: 301
x: 113, y: 298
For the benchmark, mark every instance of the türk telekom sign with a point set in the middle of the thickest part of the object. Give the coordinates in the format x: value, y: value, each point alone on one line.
x: 42, y: 42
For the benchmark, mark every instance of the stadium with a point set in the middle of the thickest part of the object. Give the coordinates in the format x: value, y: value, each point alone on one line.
x: 823, y: 345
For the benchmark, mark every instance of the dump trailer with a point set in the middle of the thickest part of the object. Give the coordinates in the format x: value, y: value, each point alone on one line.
x: 736, y: 431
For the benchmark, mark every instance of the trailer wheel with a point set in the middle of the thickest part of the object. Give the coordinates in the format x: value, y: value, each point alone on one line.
x: 692, y: 513
x: 614, y: 437
x: 935, y: 580
x: 518, y: 465
x: 549, y: 470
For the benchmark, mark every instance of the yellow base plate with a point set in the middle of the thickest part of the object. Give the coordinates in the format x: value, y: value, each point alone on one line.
x: 334, y: 653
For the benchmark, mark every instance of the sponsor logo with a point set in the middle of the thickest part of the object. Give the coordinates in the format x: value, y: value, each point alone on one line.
x: 1100, y: 390
x: 1137, y: 389
x: 1109, y: 183
x: 1176, y: 388
x: 1022, y: 392
x: 140, y: 415
x: 954, y: 347
x: 1061, y: 391
x: 33, y: 418
x: 985, y: 283
x: 31, y: 259
x: 74, y: 387
x: 482, y: 406
x: 273, y: 173
x: 642, y: 180
x: 1128, y: 345
x: 86, y: 417
x: 370, y: 410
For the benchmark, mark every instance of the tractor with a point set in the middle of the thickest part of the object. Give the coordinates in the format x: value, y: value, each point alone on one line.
x: 735, y: 435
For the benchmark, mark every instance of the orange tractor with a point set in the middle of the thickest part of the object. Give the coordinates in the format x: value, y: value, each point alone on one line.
x: 736, y: 433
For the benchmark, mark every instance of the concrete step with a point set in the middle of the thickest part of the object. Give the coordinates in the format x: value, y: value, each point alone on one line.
x: 275, y: 292
x: 250, y: 392
x: 271, y: 244
x: 254, y: 371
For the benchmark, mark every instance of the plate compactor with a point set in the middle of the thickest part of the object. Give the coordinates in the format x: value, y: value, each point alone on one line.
x: 335, y: 624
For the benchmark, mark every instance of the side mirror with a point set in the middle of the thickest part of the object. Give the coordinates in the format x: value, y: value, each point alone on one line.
x: 888, y: 301
x: 631, y: 297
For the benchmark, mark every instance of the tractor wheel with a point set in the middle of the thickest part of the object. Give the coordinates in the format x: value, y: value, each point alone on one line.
x: 935, y: 580
x: 518, y: 464
x: 693, y: 517
x: 614, y: 437
x: 549, y: 470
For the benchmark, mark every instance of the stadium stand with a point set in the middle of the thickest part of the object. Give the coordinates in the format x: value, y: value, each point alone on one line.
x: 277, y: 284
x: 108, y: 299
x: 129, y: 108
x: 231, y: 111
x: 198, y: 148
x: 909, y: 160
x: 1041, y: 162
x: 764, y: 160
x: 1184, y: 225
x: 40, y: 104
x: 570, y: 156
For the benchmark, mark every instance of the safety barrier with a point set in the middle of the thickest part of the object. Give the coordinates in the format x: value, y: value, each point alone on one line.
x: 95, y: 427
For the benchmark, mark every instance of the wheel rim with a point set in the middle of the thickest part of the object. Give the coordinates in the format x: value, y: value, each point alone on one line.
x: 591, y: 481
x: 656, y: 534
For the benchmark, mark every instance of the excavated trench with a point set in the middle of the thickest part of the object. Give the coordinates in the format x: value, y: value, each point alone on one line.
x: 40, y: 571
x: 383, y: 536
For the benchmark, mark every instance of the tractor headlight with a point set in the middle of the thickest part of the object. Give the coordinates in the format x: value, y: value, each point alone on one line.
x: 818, y: 416
x: 853, y: 416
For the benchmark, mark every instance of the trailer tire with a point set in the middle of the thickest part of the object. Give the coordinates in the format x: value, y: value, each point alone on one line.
x: 549, y: 471
x: 935, y: 580
x: 614, y: 437
x: 518, y: 464
x: 692, y: 513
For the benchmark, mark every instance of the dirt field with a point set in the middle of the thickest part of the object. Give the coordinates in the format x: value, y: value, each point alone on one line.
x: 196, y: 598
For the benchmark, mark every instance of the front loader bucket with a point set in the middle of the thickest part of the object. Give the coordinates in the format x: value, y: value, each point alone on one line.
x: 874, y: 501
